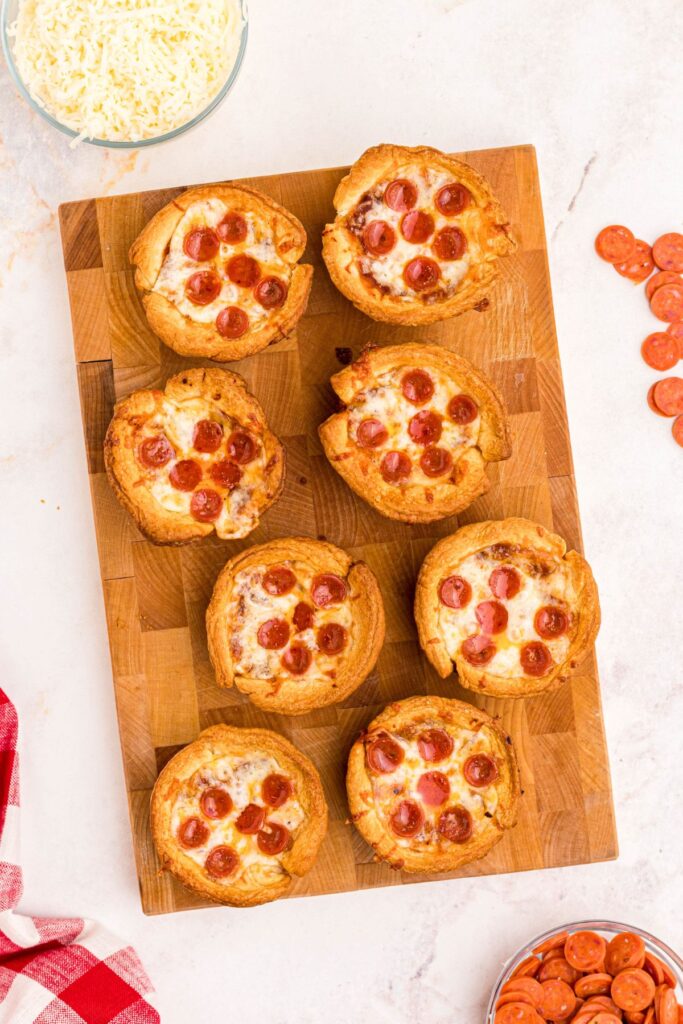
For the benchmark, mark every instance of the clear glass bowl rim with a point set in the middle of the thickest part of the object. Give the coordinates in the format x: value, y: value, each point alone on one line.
x: 5, y: 19
x: 656, y: 945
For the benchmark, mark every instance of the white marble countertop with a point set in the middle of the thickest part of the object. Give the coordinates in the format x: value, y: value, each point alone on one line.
x: 596, y: 86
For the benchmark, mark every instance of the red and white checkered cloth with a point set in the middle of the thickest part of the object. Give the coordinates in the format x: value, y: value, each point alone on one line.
x: 52, y: 970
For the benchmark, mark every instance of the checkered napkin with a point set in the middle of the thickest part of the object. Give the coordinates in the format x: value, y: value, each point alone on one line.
x: 52, y: 970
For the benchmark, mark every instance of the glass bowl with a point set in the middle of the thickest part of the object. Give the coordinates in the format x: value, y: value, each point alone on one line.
x: 607, y: 929
x: 8, y: 13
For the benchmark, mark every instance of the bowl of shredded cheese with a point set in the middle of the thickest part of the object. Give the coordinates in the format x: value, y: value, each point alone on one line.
x: 124, y: 73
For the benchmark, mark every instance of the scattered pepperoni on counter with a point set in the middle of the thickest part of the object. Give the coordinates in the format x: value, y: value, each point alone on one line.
x: 615, y: 243
x: 667, y: 395
x: 677, y: 430
x: 668, y: 252
x: 660, y: 351
x: 639, y: 266
x: 658, y: 279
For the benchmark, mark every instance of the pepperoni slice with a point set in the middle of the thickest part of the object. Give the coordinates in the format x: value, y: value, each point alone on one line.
x: 271, y: 293
x: 278, y: 580
x: 417, y: 386
x: 425, y: 427
x: 434, y: 745
x: 155, y: 451
x: 639, y: 264
x: 450, y: 244
x: 407, y: 819
x: 395, y: 467
x: 185, y: 475
x: 434, y: 788
x: 657, y: 280
x: 452, y: 199
x: 524, y: 984
x: 272, y: 839
x: 416, y: 226
x: 232, y: 229
x: 668, y: 252
x: 273, y: 634
x: 455, y: 592
x: 379, y: 238
x: 558, y: 1001
x: 514, y: 997
x: 455, y: 824
x: 250, y: 820
x: 206, y: 505
x: 632, y: 989
x: 667, y: 302
x: 666, y: 1007
x: 203, y: 288
x: 192, y: 833
x: 668, y: 396
x: 677, y: 430
x: 436, y: 461
x: 331, y: 638
x: 550, y: 622
x: 303, y: 617
x: 492, y: 617
x: 232, y: 322
x: 676, y: 331
x: 207, y: 436
x: 421, y: 273
x: 226, y: 474
x: 651, y: 400
x: 215, y: 802
x: 552, y: 944
x: 201, y: 244
x: 243, y: 270
x: 624, y: 950
x: 660, y: 351
x: 558, y: 968
x: 371, y: 433
x: 518, y: 1012
x: 297, y: 659
x: 615, y: 244
x: 463, y: 409
x: 529, y: 967
x: 400, y: 195
x: 327, y: 589
x: 384, y: 754
x: 221, y: 862
x: 505, y: 582
x: 480, y: 770
x: 585, y: 950
x: 597, y: 984
x: 241, y: 447
x: 535, y: 658
x: 478, y: 650
x: 276, y: 789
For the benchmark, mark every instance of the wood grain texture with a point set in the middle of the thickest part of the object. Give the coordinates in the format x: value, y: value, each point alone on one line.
x: 156, y: 598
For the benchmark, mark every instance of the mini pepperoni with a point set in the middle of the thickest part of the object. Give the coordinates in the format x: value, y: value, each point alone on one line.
x: 436, y: 461
x: 660, y: 351
x: 417, y: 386
x: 675, y: 329
x: 406, y: 819
x: 243, y: 270
x: 654, y: 967
x: 425, y: 427
x: 251, y: 819
x: 677, y: 430
x: 215, y: 802
x: 303, y: 616
x: 480, y: 770
x: 276, y: 789
x: 518, y: 1012
x: 185, y: 475
x: 416, y: 226
x: 535, y: 658
x: 593, y: 985
x: 456, y: 824
x: 668, y: 396
x: 232, y: 229
x: 558, y: 1000
x: 434, y: 788
x: 201, y: 244
x: 452, y: 199
x: 192, y: 833
x: 553, y: 944
x: 155, y: 451
x: 601, y: 1004
x: 455, y: 592
x: 558, y: 969
x: 639, y: 264
x: 527, y: 985
x: 624, y: 950
x: 505, y: 582
x: 463, y: 409
x: 371, y: 433
x: 232, y: 322
x: 515, y: 996
x: 666, y: 1007
x: 331, y: 638
x: 434, y: 745
x: 278, y: 580
x: 221, y: 862
x: 615, y: 243
x: 327, y: 589
x: 379, y: 238
x: 203, y: 288
x: 550, y: 621
x: 241, y: 447
x: 395, y: 467
x: 478, y: 650
x: 585, y: 950
x: 272, y: 839
x: 297, y: 659
x: 421, y: 273
x: 384, y: 754
x: 400, y: 195
x: 207, y: 436
x: 667, y: 302
x: 449, y: 244
x: 273, y: 634
x: 206, y: 505
x: 657, y: 280
x: 271, y: 293
x: 651, y: 400
x: 529, y: 967
x: 632, y: 989
x: 225, y: 473
x: 492, y: 617
x: 668, y: 252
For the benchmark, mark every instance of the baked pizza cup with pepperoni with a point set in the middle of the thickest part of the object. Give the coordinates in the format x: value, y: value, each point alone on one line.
x: 219, y: 274
x: 418, y: 427
x: 195, y: 458
x: 417, y: 235
x: 295, y: 624
x: 507, y: 606
x: 432, y: 784
x: 237, y: 814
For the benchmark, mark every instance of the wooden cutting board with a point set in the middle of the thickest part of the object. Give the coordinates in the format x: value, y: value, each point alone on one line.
x: 156, y: 597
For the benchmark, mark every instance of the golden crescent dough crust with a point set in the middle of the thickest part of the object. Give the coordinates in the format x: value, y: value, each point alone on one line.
x: 417, y: 503
x: 294, y: 696
x: 448, y: 715
x: 342, y: 249
x: 189, y: 337
x: 218, y: 741
x: 443, y: 560
x: 158, y: 524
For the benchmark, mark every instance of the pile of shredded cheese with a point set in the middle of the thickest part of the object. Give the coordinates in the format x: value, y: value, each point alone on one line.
x: 125, y: 70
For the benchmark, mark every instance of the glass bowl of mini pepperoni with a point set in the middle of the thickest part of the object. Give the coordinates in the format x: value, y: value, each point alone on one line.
x: 591, y: 972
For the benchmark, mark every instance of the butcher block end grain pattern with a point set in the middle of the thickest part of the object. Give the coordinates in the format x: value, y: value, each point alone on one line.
x: 156, y: 598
